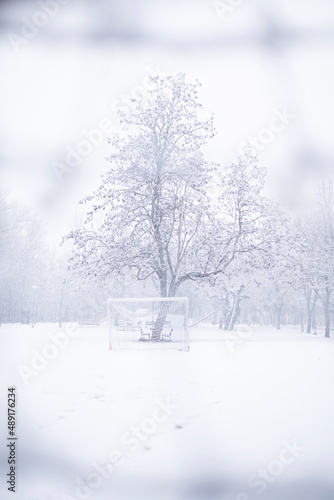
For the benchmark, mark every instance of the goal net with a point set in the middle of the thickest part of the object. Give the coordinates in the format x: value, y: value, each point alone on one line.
x: 148, y: 324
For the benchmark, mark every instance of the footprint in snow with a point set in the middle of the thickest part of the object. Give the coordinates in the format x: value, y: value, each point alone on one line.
x: 97, y: 396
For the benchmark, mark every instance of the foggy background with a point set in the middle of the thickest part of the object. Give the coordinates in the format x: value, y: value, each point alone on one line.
x: 73, y: 72
x: 258, y: 56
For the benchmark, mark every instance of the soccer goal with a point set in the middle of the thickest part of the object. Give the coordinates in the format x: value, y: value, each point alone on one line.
x: 148, y: 324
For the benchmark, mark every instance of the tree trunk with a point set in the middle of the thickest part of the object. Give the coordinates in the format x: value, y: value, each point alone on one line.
x: 279, y: 316
x: 60, y: 310
x: 327, y: 313
x: 234, y: 313
x: 164, y: 309
x: 229, y: 311
x: 310, y: 304
x: 314, y: 319
x: 163, y: 285
x: 160, y: 321
x: 309, y: 314
x: 2, y: 310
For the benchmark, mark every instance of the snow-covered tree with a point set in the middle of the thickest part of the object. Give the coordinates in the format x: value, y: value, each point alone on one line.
x: 277, y: 274
x: 152, y: 216
x: 157, y: 220
x: 317, y: 231
x: 22, y: 254
x: 247, y: 221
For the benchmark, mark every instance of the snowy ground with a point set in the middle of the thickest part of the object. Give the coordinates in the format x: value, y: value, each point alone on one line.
x: 192, y: 425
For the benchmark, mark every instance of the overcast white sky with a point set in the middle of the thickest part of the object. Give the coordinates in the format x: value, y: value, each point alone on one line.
x: 260, y: 56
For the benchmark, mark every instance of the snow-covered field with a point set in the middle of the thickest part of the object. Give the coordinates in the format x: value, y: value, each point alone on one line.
x: 237, y: 418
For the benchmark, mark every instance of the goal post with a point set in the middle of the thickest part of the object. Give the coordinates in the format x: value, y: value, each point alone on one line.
x: 148, y: 323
